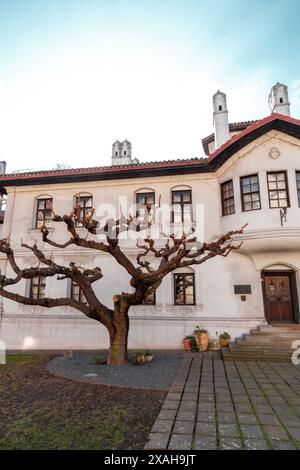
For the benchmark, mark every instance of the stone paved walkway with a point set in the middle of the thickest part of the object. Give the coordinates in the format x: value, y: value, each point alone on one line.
x: 229, y: 405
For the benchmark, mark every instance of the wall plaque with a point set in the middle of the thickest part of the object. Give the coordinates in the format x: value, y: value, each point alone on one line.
x: 242, y: 289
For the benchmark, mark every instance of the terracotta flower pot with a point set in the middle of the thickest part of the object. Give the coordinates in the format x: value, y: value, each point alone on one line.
x: 187, y: 344
x: 201, y: 341
x: 224, y: 342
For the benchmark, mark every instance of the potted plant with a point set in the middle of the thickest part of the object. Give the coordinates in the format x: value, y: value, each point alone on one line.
x: 189, y: 343
x: 201, y: 338
x: 140, y: 358
x: 148, y: 356
x: 224, y: 339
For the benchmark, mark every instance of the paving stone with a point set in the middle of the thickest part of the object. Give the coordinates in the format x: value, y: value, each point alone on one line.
x: 206, y: 429
x: 243, y: 408
x: 205, y: 443
x: 291, y: 420
x: 170, y: 405
x: 282, y: 445
x: 226, y: 417
x: 167, y: 414
x: 251, y: 431
x: 206, y: 398
x: 276, y: 433
x: 223, y: 399
x: 247, y: 418
x: 188, y: 406
x: 256, y: 444
x: 225, y: 407
x: 294, y: 432
x: 189, y: 396
x: 206, y: 407
x: 241, y: 399
x: 180, y: 442
x: 229, y: 443
x: 183, y: 427
x: 277, y: 400
x: 173, y: 396
x: 157, y: 441
x: 162, y: 426
x: 228, y: 430
x: 269, y: 419
x: 206, y: 416
x: 186, y: 416
x: 260, y: 408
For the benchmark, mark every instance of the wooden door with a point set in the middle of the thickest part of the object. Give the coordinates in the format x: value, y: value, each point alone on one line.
x: 278, y: 298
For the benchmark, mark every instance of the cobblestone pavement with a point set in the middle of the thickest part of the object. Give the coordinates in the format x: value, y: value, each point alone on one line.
x: 229, y: 405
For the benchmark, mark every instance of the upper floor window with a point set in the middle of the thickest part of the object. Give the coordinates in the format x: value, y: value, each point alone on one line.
x: 181, y: 206
x: 250, y: 193
x: 86, y: 207
x: 144, y: 202
x: 44, y: 213
x: 77, y: 294
x: 298, y: 185
x: 37, y: 287
x: 278, y: 189
x: 184, y: 289
x: 227, y: 194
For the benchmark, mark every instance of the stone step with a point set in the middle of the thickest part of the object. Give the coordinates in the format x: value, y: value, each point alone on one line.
x: 241, y: 343
x: 270, y: 338
x: 229, y: 356
x: 278, y: 328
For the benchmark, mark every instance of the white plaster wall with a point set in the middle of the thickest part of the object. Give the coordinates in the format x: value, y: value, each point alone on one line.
x: 217, y: 308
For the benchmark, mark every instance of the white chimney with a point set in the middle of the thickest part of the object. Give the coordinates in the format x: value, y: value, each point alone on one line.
x: 220, y: 119
x: 279, y: 99
x: 121, y: 153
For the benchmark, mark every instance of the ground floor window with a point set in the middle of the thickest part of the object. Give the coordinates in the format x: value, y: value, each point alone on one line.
x: 184, y: 289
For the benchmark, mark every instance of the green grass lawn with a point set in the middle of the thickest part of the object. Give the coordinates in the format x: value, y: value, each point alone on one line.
x: 41, y: 411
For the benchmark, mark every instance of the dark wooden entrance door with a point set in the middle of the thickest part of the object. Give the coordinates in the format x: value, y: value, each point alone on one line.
x: 278, y: 297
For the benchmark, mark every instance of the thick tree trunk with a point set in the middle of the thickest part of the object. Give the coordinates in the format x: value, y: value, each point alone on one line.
x: 118, y: 338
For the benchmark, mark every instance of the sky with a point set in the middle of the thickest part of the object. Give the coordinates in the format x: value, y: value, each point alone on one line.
x: 76, y: 75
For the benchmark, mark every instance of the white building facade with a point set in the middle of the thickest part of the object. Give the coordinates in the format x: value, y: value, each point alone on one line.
x: 250, y: 175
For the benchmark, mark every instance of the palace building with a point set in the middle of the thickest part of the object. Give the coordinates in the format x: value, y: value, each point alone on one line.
x: 249, y: 174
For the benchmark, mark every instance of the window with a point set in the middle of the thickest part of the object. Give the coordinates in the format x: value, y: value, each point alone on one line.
x: 150, y: 299
x: 77, y: 294
x: 298, y: 185
x: 250, y: 193
x: 37, y: 287
x: 278, y: 189
x: 184, y: 291
x: 44, y: 213
x: 142, y: 201
x: 181, y: 206
x: 86, y: 205
x: 227, y: 194
x: 220, y: 108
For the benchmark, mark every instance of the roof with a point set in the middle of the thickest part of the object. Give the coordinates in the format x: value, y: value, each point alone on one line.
x: 233, y: 127
x: 252, y: 132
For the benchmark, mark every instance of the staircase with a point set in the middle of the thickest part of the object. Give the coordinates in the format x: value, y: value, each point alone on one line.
x: 264, y: 343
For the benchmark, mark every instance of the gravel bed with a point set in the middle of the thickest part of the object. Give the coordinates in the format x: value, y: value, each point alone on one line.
x: 156, y: 375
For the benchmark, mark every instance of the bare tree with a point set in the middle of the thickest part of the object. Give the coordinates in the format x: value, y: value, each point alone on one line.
x: 144, y: 276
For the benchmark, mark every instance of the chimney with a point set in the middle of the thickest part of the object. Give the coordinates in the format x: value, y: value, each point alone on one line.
x: 121, y: 153
x: 220, y: 119
x: 279, y: 99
